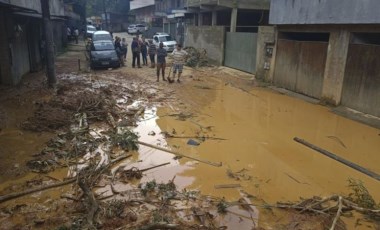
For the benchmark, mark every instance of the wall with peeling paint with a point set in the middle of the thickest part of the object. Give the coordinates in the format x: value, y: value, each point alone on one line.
x: 324, y: 12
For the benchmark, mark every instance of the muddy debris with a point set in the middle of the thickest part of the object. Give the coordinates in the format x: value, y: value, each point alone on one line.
x: 196, y: 57
x: 331, y: 208
x: 239, y: 175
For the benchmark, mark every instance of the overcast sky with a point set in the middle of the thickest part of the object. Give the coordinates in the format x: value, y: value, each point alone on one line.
x: 141, y: 3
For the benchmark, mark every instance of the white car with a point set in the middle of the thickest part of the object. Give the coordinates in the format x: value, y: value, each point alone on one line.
x: 90, y: 30
x: 101, y: 35
x: 166, y: 39
x: 138, y: 28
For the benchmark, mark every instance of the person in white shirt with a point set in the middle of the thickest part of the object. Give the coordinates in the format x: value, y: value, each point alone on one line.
x: 179, y: 58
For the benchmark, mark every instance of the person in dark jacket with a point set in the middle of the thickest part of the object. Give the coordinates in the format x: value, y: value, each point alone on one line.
x: 144, y: 51
x: 161, y: 61
x: 119, y: 51
x: 152, y: 53
x: 135, y: 47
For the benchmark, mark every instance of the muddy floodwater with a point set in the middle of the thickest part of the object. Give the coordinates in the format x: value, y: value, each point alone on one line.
x: 259, y: 127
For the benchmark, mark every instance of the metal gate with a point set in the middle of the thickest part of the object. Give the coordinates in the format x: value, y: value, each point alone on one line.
x: 240, y: 51
x: 362, y: 79
x: 300, y: 66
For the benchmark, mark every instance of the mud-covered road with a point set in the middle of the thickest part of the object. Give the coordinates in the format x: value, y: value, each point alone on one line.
x: 214, y: 116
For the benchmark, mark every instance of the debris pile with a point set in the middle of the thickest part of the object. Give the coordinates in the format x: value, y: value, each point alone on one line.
x: 196, y: 57
x: 333, y: 207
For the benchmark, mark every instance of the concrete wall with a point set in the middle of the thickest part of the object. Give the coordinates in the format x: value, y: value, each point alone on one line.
x: 324, y: 12
x: 241, y: 4
x: 210, y: 38
x: 335, y: 67
x: 353, y: 84
x: 265, y: 40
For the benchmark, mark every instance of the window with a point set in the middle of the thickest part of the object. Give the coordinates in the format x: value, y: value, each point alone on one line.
x: 98, y: 46
x: 165, y: 38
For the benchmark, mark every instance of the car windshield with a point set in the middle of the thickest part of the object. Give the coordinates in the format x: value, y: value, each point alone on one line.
x: 99, y: 46
x: 165, y: 38
x: 98, y: 37
x: 90, y: 28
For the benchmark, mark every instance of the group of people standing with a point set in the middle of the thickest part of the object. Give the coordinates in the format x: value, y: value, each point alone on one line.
x: 141, y: 48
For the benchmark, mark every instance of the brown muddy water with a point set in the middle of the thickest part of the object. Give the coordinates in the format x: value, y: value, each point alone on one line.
x: 253, y: 134
x: 259, y: 127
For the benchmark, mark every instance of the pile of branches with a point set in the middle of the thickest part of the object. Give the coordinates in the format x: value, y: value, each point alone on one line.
x: 333, y: 207
x: 60, y: 111
x: 196, y: 57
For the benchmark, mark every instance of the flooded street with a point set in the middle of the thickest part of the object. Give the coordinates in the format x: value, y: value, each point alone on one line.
x: 207, y: 120
x: 259, y: 128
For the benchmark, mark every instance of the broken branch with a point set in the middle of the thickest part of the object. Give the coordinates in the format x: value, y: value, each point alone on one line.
x: 337, y: 213
x: 180, y: 154
x: 30, y: 191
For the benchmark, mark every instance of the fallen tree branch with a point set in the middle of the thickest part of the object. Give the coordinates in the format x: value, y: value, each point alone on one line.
x: 180, y: 154
x: 197, y: 137
x: 69, y: 181
x: 30, y: 191
x: 308, y: 207
x: 83, y: 184
x: 153, y: 167
x: 337, y: 213
x: 355, y: 207
x: 114, y: 161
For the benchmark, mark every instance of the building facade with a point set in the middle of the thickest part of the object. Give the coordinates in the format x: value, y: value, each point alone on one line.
x: 174, y: 17
x: 328, y: 50
x: 22, y: 47
x: 230, y: 31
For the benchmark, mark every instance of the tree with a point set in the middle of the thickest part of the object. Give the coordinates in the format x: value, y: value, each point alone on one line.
x: 95, y: 7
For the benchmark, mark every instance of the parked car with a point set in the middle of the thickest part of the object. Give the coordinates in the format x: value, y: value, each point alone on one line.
x: 102, y: 35
x: 136, y: 28
x: 166, y: 39
x: 90, y: 31
x: 103, y: 54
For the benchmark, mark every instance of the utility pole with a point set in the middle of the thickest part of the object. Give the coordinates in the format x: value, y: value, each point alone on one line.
x: 105, y: 14
x: 49, y: 44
